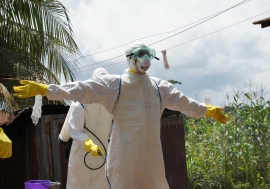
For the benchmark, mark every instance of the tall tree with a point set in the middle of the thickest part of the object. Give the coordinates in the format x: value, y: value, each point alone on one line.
x: 36, y: 42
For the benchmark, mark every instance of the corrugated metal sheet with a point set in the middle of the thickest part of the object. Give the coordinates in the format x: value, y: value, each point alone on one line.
x: 261, y: 21
x: 264, y: 22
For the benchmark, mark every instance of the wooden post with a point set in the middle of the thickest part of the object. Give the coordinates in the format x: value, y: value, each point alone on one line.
x: 173, y: 145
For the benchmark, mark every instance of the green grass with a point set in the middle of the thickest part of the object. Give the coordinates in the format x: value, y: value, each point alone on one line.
x: 235, y: 155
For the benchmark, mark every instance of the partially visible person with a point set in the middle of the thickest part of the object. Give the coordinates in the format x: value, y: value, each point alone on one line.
x: 82, y: 119
x: 5, y: 145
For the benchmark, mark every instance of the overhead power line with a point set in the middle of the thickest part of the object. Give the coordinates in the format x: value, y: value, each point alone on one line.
x: 205, y: 19
x: 215, y: 15
x: 201, y: 22
x: 187, y: 41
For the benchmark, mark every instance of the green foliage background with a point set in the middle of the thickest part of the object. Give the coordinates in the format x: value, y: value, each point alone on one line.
x: 235, y: 155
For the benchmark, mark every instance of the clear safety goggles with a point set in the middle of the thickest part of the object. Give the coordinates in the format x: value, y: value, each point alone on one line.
x: 141, y: 53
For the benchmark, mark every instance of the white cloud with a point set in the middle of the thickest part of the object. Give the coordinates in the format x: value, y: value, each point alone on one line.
x: 208, y: 67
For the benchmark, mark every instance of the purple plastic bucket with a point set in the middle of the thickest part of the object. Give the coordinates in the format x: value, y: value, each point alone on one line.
x: 38, y: 181
x: 37, y: 184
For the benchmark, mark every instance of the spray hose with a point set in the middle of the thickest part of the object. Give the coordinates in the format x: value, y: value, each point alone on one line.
x: 99, y: 152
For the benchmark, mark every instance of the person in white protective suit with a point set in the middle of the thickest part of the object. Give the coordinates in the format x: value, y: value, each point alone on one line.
x: 64, y: 135
x: 87, y: 171
x: 135, y: 159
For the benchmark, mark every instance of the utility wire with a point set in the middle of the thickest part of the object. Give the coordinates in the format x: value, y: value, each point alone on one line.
x: 216, y: 31
x: 152, y: 35
x: 200, y: 22
x: 215, y: 15
x: 207, y: 18
x: 187, y: 41
x: 174, y: 35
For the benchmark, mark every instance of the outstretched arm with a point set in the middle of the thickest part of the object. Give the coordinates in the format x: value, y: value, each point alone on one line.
x: 176, y: 100
x: 103, y: 90
x: 217, y: 113
x: 29, y: 89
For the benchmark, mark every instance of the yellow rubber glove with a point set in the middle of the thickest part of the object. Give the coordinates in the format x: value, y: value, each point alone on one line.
x: 217, y: 113
x: 30, y: 89
x: 89, y: 146
x: 5, y: 145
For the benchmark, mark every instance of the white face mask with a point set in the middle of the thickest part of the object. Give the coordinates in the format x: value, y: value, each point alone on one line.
x: 144, y: 65
x: 139, y: 57
x: 139, y: 66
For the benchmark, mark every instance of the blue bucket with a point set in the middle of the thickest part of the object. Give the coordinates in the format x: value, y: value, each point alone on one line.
x: 37, y: 184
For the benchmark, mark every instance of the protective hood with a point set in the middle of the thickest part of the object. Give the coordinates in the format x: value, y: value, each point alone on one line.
x: 136, y: 65
x: 99, y: 72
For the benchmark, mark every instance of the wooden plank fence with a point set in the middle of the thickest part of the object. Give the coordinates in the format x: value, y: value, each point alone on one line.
x: 38, y: 156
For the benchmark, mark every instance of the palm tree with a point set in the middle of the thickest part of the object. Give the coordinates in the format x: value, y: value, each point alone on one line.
x: 36, y: 43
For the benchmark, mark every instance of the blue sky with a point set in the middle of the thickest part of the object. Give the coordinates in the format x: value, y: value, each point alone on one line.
x: 216, y: 58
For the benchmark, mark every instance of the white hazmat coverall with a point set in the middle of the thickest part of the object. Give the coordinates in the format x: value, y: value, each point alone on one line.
x: 98, y: 121
x: 135, y: 159
x: 64, y: 135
